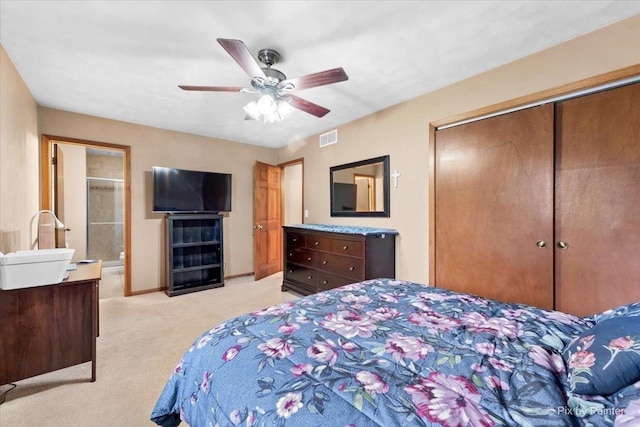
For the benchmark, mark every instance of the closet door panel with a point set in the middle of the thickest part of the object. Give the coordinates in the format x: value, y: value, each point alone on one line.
x: 598, y: 201
x: 494, y: 202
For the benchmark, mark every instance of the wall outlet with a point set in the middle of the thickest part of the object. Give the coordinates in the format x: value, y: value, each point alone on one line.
x: 306, y: 213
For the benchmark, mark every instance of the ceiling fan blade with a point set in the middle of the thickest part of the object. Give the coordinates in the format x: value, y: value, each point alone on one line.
x: 238, y: 51
x: 212, y: 88
x: 317, y: 79
x: 308, y: 107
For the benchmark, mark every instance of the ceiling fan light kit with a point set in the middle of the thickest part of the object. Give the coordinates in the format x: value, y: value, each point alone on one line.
x: 268, y: 109
x: 275, y: 102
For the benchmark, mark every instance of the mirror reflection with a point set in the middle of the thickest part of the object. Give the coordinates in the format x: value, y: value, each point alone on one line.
x: 361, y: 188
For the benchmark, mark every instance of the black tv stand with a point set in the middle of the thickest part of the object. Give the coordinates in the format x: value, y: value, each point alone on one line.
x: 194, y: 253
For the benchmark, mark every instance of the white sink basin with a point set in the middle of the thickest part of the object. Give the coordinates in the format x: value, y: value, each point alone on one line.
x: 25, y: 269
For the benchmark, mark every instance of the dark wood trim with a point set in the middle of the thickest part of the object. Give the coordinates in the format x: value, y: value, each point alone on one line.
x: 46, y: 143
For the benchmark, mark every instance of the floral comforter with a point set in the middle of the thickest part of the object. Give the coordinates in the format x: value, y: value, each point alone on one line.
x: 380, y: 353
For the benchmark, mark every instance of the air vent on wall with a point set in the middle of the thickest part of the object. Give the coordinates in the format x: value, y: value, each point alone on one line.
x: 329, y: 138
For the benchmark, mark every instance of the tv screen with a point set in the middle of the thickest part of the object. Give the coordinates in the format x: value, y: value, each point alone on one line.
x: 178, y: 190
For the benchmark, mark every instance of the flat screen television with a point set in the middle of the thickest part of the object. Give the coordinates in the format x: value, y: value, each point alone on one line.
x: 178, y: 190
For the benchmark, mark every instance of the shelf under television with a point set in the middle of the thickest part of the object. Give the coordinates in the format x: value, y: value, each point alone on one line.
x: 191, y: 244
x: 194, y: 268
x: 193, y: 288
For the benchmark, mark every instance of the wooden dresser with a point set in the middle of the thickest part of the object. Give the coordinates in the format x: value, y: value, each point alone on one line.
x: 322, y: 257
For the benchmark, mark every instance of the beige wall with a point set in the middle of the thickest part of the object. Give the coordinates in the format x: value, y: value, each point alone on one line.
x: 19, y: 191
x: 75, y: 198
x: 157, y: 147
x: 292, y: 188
x: 403, y: 133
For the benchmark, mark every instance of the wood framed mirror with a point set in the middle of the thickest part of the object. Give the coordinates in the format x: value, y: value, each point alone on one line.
x: 360, y: 188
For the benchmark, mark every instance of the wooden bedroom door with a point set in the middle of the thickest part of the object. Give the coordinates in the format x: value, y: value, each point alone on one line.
x: 598, y: 201
x: 267, y: 217
x: 494, y: 207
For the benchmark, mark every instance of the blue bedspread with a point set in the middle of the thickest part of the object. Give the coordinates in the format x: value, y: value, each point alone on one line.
x: 381, y: 353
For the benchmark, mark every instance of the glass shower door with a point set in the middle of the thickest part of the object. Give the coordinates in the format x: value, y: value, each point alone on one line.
x: 105, y: 220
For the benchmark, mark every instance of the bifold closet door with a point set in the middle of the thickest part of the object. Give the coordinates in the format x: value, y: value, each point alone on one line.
x: 598, y: 201
x: 494, y: 207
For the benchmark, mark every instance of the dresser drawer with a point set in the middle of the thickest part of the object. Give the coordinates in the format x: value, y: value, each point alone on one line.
x: 342, y: 265
x: 301, y: 274
x: 328, y: 281
x: 295, y: 240
x: 303, y: 256
x: 319, y: 243
x: 346, y: 247
x: 309, y: 258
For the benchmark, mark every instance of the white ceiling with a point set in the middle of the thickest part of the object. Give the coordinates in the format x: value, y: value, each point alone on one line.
x: 123, y: 60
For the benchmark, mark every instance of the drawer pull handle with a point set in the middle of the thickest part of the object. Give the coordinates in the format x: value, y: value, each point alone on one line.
x: 345, y: 247
x: 294, y: 239
x: 324, y: 282
x: 290, y: 271
x: 316, y: 243
x: 309, y: 259
x: 352, y: 268
x: 324, y: 262
x: 310, y: 277
x: 290, y: 254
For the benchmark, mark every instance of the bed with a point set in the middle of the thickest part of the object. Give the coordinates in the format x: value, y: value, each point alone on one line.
x: 395, y: 353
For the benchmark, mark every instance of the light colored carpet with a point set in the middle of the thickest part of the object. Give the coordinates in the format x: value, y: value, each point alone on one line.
x: 142, y: 338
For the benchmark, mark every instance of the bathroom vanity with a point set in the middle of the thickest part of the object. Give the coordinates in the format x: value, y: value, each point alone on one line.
x: 46, y: 328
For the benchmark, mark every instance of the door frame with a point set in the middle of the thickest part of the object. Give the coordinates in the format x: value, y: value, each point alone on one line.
x: 282, y: 166
x: 46, y: 202
x: 298, y: 161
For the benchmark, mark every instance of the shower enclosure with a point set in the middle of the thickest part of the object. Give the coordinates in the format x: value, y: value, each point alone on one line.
x: 105, y: 220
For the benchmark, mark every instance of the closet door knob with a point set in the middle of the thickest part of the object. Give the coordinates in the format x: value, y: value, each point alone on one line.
x: 541, y: 244
x: 562, y: 245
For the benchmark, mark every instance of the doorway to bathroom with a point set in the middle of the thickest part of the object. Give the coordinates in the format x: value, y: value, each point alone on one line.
x: 86, y: 184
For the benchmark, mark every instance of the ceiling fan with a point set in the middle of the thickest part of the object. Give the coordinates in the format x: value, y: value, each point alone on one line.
x: 276, y: 100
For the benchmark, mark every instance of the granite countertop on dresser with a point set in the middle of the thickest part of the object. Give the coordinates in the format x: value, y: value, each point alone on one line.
x: 347, y: 229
